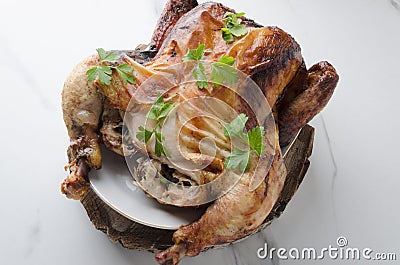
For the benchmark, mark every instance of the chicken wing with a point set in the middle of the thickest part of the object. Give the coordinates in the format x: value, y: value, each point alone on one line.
x: 319, y: 84
x: 82, y: 106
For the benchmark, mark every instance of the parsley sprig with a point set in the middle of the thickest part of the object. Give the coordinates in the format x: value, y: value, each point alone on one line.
x: 254, y: 141
x: 104, y: 72
x: 158, y: 112
x: 222, y: 70
x: 233, y: 27
x: 199, y: 70
x: 196, y: 54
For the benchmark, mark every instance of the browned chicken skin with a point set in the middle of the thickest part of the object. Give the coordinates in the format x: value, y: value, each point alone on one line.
x: 270, y: 56
x: 231, y: 217
x: 173, y: 11
x: 319, y: 84
x: 82, y: 107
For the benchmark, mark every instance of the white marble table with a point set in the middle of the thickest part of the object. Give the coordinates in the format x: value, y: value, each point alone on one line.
x: 350, y: 190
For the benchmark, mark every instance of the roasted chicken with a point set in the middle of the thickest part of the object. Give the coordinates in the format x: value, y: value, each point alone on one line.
x: 93, y: 113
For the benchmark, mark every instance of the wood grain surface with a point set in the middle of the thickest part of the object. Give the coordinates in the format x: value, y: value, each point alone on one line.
x: 133, y: 235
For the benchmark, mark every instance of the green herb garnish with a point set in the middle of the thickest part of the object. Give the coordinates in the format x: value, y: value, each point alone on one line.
x: 158, y: 112
x: 254, y: 140
x: 199, y: 71
x: 236, y: 127
x: 195, y: 55
x: 233, y: 27
x: 221, y: 70
x: 104, y: 72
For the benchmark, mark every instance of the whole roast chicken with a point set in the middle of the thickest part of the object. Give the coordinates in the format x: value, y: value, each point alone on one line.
x: 271, y: 58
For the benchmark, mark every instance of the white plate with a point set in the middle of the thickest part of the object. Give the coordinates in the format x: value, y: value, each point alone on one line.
x: 114, y: 185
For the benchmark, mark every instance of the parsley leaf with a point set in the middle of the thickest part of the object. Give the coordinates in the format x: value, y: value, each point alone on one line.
x: 159, y: 137
x: 232, y: 19
x: 158, y: 111
x: 240, y: 14
x: 233, y: 26
x: 125, y: 72
x: 223, y: 71
x: 159, y: 148
x: 238, y: 159
x: 165, y: 109
x: 102, y: 53
x: 144, y: 135
x: 199, y: 71
x: 155, y: 108
x: 238, y: 30
x: 101, y: 72
x: 256, y: 138
x: 229, y: 60
x: 92, y: 74
x: 110, y: 57
x: 236, y: 126
x: 200, y: 75
x: 195, y: 55
x: 227, y: 35
x: 104, y: 72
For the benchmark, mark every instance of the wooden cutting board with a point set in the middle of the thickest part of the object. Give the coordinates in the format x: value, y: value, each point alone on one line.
x: 133, y: 235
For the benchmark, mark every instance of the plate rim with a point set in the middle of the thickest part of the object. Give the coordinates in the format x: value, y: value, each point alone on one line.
x: 284, y: 149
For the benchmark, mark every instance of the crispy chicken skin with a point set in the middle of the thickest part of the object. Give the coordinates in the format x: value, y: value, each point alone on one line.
x: 82, y: 107
x: 235, y: 215
x: 173, y: 11
x: 294, y: 88
x: 319, y: 85
x: 270, y: 56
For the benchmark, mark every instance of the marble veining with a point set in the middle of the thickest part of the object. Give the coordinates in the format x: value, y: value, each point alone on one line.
x: 235, y: 255
x: 334, y: 173
x: 33, y: 236
x: 335, y: 168
x: 395, y: 4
